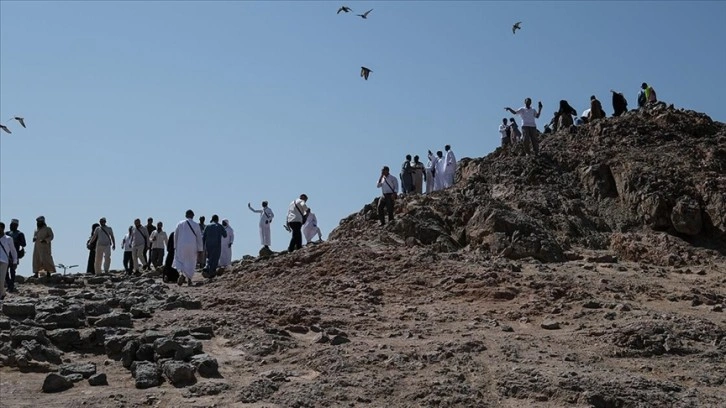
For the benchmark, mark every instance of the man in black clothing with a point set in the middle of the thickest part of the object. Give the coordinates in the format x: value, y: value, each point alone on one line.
x: 20, y: 244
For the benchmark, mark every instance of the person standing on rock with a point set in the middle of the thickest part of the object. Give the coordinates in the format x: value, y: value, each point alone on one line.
x: 149, y: 229
x: 8, y: 257
x: 20, y: 244
x: 188, y: 247
x: 310, y: 228
x: 201, y: 262
x: 169, y: 274
x: 389, y: 190
x: 440, y: 176
x: 42, y: 254
x: 646, y: 96
x: 266, y: 216
x: 126, y: 246
x: 596, y: 111
x: 620, y: 104
x: 450, y: 169
x: 296, y: 217
x: 514, y: 132
x: 91, y: 246
x: 212, y: 239
x: 407, y: 176
x: 158, y: 243
x: 429, y: 175
x: 418, y: 175
x: 105, y: 243
x: 225, y: 259
x: 564, y: 116
x: 139, y: 244
x: 504, y: 132
x: 529, y: 124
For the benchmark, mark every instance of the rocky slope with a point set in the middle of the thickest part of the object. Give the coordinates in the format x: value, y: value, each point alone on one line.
x: 591, y: 276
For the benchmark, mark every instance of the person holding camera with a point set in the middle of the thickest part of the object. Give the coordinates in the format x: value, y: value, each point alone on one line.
x: 389, y: 188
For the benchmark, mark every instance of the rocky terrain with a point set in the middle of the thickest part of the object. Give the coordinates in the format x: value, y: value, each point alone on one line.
x: 590, y: 276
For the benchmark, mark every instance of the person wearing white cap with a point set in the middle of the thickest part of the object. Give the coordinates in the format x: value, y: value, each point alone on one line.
x: 105, y: 243
x: 8, y: 256
x: 225, y: 259
x: 20, y: 244
x: 42, y: 255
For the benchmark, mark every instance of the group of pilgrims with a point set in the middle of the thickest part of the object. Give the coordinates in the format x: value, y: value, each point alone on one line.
x: 438, y: 173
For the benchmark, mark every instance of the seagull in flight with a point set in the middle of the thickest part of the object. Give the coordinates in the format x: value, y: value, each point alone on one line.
x: 344, y: 9
x: 5, y: 129
x: 21, y: 120
x: 516, y: 27
x: 364, y: 72
x: 364, y: 15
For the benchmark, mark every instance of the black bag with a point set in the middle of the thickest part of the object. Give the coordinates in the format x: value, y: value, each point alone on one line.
x: 21, y: 253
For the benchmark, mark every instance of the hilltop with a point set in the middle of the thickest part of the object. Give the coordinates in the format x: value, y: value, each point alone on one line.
x: 591, y: 275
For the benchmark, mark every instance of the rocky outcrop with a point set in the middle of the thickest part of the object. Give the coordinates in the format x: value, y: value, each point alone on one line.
x: 655, y: 170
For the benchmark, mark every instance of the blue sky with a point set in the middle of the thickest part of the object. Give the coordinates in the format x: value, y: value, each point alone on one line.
x: 139, y: 109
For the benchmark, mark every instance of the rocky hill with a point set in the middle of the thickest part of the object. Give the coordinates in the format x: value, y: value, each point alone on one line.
x: 590, y: 276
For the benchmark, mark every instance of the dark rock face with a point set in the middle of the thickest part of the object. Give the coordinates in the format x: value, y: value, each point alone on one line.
x: 56, y: 383
x: 206, y: 365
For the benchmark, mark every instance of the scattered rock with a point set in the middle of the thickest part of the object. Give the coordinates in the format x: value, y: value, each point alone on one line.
x: 550, y: 325
x: 56, y: 383
x: 98, y: 379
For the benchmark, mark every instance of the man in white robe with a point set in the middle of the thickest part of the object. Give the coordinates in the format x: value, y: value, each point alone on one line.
x: 450, y: 167
x: 310, y: 228
x: 266, y: 216
x: 225, y: 259
x: 440, y: 166
x: 187, y: 247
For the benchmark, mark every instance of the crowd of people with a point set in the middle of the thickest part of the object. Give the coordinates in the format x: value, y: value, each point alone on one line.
x: 436, y: 175
x: 565, y: 117
x: 190, y: 246
x: 195, y: 245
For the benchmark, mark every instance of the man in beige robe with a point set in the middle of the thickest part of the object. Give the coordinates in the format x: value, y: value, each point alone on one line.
x: 42, y: 256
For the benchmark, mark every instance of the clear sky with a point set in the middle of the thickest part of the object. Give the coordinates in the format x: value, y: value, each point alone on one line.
x: 138, y: 109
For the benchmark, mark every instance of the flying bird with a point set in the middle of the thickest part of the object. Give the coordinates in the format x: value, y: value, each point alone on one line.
x: 5, y: 128
x: 516, y: 27
x: 364, y: 72
x: 344, y: 9
x: 21, y: 120
x: 364, y: 15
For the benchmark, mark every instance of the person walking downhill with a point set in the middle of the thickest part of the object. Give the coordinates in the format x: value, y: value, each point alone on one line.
x: 105, y: 243
x: 126, y: 246
x: 139, y: 244
x: 529, y: 124
x: 20, y: 244
x: 158, y: 243
x: 504, y: 133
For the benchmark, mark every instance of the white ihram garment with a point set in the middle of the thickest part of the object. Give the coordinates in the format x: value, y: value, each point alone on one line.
x: 225, y: 258
x: 187, y: 244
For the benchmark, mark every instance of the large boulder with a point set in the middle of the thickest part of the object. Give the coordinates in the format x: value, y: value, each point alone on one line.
x: 686, y: 216
x: 178, y: 373
x: 146, y: 374
x: 19, y: 310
